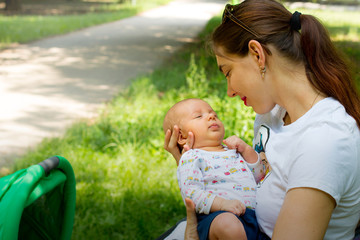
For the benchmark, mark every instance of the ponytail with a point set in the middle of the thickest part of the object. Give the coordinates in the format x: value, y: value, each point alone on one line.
x: 326, y: 69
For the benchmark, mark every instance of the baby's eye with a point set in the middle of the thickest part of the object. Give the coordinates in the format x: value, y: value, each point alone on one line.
x: 198, y: 116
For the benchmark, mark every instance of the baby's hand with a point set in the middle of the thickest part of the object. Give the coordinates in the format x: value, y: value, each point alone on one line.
x: 234, y: 206
x: 247, y: 152
x: 234, y: 142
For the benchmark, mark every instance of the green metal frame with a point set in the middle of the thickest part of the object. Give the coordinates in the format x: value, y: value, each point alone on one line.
x: 42, y: 202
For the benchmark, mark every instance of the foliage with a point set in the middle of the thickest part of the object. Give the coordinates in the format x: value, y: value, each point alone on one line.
x: 342, y: 2
x: 126, y: 182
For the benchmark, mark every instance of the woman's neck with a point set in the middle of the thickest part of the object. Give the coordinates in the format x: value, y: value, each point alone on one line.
x: 295, y: 93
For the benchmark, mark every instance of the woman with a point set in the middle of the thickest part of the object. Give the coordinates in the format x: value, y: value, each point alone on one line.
x: 286, y: 68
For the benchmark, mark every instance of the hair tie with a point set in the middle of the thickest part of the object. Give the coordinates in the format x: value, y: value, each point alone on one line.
x: 295, y: 21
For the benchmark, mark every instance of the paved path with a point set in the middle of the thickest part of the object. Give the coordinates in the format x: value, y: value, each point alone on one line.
x: 47, y: 85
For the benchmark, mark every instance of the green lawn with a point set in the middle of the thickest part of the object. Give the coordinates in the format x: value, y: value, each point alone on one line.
x: 25, y: 28
x: 126, y: 182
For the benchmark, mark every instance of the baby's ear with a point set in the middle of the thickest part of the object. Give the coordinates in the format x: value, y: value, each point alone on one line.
x: 181, y: 139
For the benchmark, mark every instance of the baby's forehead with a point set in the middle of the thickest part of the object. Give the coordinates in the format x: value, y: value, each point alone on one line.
x: 194, y: 105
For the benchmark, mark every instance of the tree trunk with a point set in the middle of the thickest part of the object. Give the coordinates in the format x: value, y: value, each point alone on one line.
x: 12, y: 5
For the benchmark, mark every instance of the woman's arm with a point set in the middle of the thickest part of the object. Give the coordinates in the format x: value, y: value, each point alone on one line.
x: 305, y: 214
x: 191, y: 232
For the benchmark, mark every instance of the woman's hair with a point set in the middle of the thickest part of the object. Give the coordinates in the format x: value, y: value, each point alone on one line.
x: 270, y: 20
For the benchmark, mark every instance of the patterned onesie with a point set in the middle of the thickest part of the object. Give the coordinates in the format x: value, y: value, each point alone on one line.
x: 202, y: 175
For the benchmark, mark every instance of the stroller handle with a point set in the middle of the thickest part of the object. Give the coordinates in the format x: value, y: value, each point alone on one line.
x: 50, y: 164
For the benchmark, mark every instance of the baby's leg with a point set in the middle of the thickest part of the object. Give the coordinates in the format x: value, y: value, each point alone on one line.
x: 227, y: 226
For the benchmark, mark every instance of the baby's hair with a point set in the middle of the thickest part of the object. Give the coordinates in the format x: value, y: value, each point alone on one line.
x: 170, y: 118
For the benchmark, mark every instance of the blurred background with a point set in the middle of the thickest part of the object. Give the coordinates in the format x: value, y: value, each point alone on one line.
x: 125, y: 181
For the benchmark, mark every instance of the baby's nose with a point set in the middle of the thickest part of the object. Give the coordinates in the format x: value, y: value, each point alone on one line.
x: 211, y: 116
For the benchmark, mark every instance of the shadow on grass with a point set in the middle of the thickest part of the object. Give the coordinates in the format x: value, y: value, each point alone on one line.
x: 133, y: 215
x: 172, y: 75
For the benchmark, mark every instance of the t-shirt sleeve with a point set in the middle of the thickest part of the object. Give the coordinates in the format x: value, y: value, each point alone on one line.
x: 191, y: 182
x: 323, y: 152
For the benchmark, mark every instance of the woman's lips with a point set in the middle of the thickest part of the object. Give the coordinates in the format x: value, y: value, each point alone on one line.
x: 244, y: 99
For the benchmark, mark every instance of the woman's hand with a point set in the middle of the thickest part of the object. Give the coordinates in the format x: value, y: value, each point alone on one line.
x: 191, y: 221
x: 170, y: 143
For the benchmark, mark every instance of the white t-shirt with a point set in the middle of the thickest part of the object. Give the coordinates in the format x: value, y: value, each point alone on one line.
x: 320, y: 150
x: 202, y: 175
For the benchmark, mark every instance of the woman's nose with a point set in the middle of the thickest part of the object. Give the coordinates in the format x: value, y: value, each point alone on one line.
x: 230, y: 92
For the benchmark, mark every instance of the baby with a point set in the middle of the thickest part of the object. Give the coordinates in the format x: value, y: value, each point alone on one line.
x: 220, y: 181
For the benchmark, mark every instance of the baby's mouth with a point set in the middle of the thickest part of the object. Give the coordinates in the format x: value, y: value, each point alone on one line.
x: 214, y: 125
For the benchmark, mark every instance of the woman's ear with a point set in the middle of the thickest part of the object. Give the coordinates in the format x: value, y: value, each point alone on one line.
x: 257, y: 52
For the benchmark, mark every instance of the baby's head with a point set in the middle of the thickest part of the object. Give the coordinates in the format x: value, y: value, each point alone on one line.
x: 196, y: 116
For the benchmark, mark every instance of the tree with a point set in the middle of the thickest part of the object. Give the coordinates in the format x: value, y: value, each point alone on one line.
x: 12, y: 5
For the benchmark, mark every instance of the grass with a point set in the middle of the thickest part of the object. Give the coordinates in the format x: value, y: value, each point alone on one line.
x: 25, y: 28
x: 126, y: 182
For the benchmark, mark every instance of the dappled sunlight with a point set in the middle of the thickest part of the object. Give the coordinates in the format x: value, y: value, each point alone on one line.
x: 342, y: 21
x: 352, y: 35
x: 192, y: 11
x: 48, y: 84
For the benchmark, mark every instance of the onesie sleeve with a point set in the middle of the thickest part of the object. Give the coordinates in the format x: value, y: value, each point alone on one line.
x: 257, y: 169
x: 324, y: 160
x: 191, y: 182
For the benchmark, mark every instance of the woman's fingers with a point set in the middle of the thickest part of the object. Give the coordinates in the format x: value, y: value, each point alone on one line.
x: 171, y: 138
x: 189, y: 142
x: 167, y: 139
x: 170, y: 143
x: 191, y: 221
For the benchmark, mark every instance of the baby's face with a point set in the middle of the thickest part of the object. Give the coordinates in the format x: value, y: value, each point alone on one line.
x: 198, y: 117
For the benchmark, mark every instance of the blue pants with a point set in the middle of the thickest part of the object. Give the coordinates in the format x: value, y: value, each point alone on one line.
x: 248, y: 220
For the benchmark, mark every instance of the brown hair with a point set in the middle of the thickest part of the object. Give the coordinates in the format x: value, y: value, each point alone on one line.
x: 325, y: 68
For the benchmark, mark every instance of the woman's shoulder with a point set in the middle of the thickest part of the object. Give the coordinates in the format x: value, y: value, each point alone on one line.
x: 332, y: 116
x: 329, y: 124
x: 327, y: 114
x: 329, y: 135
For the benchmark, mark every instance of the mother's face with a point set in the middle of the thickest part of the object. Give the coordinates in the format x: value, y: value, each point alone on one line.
x: 244, y: 80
